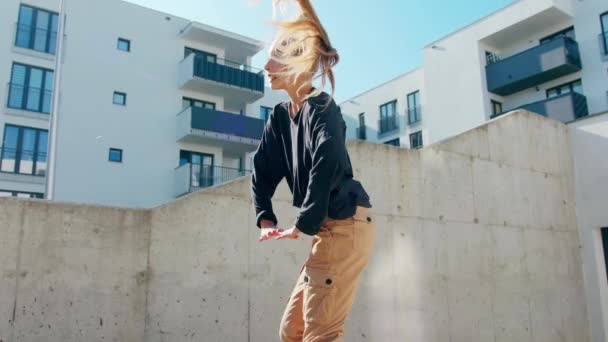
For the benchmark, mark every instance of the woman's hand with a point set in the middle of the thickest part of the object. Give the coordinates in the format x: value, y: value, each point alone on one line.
x: 289, y: 234
x: 268, y: 230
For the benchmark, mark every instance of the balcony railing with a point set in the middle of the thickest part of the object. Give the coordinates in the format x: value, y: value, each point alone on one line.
x: 564, y: 107
x: 414, y: 115
x: 29, y: 98
x: 228, y: 72
x: 35, y: 38
x: 540, y: 64
x: 388, y: 125
x: 22, y: 161
x: 216, y: 121
x: 190, y: 177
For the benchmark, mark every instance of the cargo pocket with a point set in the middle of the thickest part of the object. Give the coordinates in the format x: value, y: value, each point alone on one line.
x: 319, y: 295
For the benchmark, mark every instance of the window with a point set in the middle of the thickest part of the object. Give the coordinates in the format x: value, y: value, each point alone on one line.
x: 265, y: 112
x: 20, y: 194
x: 416, y: 140
x: 604, y: 24
x: 569, y: 32
x: 491, y: 57
x: 574, y: 86
x: 361, y: 130
x: 30, y: 88
x: 413, y: 107
x: 189, y: 102
x: 120, y: 98
x: 202, y: 168
x: 123, y: 44
x: 388, y: 117
x: 115, y: 155
x: 24, y: 150
x: 36, y: 29
x: 394, y: 142
x: 604, y: 232
x: 496, y: 108
x: 209, y: 57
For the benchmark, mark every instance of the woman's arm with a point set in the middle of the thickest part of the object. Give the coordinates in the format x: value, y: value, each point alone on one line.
x: 268, y: 170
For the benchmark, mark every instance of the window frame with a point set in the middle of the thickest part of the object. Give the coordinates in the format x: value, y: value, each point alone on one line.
x: 19, y: 150
x: 392, y: 141
x: 554, y: 35
x: 13, y: 192
x: 203, y: 102
x: 388, y: 117
x: 494, y: 103
x: 415, y: 135
x: 119, y: 93
x: 114, y: 149
x: 604, y: 31
x: 265, y: 112
x: 569, y: 84
x: 123, y: 40
x: 26, y: 88
x: 417, y: 108
x: 33, y: 28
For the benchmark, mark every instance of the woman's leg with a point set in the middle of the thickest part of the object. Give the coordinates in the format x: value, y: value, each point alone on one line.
x: 331, y: 275
x: 292, y: 323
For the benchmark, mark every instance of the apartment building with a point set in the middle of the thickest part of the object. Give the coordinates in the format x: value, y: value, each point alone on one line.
x: 547, y: 56
x: 151, y: 106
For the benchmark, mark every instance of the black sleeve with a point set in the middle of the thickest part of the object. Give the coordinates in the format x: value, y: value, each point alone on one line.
x: 268, y: 170
x: 327, y: 136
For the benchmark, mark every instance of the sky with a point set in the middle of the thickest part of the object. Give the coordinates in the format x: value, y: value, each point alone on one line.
x: 377, y: 40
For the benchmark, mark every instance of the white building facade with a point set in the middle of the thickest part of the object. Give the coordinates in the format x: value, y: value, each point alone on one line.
x: 151, y: 106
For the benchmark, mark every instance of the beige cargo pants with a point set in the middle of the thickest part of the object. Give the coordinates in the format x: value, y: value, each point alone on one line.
x: 326, y: 288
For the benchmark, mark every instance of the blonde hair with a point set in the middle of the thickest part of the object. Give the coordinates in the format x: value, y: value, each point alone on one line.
x: 303, y: 46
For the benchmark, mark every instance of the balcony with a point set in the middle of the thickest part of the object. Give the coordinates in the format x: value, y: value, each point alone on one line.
x: 564, y: 108
x: 540, y: 64
x: 191, y: 177
x: 233, y: 132
x: 237, y: 84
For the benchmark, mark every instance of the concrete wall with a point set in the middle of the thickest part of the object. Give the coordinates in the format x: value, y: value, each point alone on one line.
x: 590, y: 148
x: 477, y: 241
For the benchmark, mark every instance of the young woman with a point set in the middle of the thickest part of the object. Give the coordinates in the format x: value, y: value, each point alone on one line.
x: 304, y: 142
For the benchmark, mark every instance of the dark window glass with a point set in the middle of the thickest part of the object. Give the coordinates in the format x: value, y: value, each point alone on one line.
x: 574, y: 86
x: 22, y: 194
x: 124, y: 44
x: 496, y: 108
x: 209, y: 57
x: 388, y: 117
x: 24, y: 150
x: 413, y: 107
x: 569, y: 32
x: 30, y: 88
x: 265, y: 112
x: 36, y: 29
x: 362, y: 131
x: 188, y: 102
x: 394, y: 142
x: 604, y: 232
x: 202, y: 168
x: 604, y: 24
x: 416, y: 140
x: 120, y: 98
x: 115, y: 155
